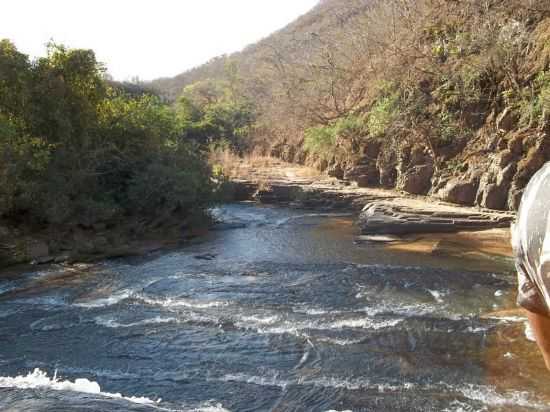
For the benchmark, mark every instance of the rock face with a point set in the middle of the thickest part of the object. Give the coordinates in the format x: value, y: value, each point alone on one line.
x: 241, y: 191
x: 507, y: 120
x: 387, y: 170
x: 490, y: 168
x: 460, y: 191
x: 493, y: 192
x: 335, y: 170
x: 414, y: 170
x: 510, y: 169
x: 393, y: 219
x: 417, y: 180
x: 365, y: 175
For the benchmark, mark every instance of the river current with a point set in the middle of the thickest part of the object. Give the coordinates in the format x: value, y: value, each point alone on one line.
x: 281, y: 311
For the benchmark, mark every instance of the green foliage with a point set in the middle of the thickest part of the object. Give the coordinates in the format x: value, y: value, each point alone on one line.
x: 174, y: 181
x: 459, y: 89
x: 23, y: 161
x: 448, y: 128
x: 210, y: 111
x: 543, y: 99
x: 14, y: 76
x: 448, y: 40
x: 75, y: 151
x: 533, y: 102
x: 322, y: 140
x: 350, y: 126
x: 384, y: 111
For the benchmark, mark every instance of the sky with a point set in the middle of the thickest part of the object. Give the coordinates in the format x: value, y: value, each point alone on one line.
x: 146, y: 38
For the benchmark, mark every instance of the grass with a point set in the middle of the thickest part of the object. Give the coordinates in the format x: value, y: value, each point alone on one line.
x: 257, y: 167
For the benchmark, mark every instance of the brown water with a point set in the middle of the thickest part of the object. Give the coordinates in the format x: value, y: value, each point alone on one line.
x: 283, y: 314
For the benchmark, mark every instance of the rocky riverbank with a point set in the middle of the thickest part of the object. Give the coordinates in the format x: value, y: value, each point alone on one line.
x: 489, y: 171
x: 31, y: 245
x: 398, y: 219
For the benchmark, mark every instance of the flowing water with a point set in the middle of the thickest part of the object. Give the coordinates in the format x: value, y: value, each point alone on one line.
x: 282, y: 313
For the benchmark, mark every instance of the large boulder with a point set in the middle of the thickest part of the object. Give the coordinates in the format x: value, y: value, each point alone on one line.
x: 514, y: 197
x: 532, y: 150
x: 536, y: 156
x: 495, y: 185
x: 459, y: 190
x: 417, y: 180
x: 414, y: 169
x: 371, y: 150
x: 386, y: 164
x: 388, y: 176
x: 515, y: 144
x: 365, y: 175
x: 336, y: 170
x: 493, y: 197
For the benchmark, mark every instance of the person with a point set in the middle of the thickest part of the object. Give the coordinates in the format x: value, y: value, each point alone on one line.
x: 531, y: 243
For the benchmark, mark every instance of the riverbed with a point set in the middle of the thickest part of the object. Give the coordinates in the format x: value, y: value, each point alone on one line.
x: 280, y: 311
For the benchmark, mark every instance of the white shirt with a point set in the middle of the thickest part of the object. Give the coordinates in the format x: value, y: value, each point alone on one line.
x: 531, y: 242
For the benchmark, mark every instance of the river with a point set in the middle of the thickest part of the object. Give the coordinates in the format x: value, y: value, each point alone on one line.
x: 283, y: 312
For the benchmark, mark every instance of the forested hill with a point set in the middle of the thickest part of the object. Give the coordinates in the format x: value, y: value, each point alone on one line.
x: 439, y: 97
x: 289, y: 43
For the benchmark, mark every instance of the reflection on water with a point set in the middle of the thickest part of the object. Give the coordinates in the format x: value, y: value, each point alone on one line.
x: 284, y: 312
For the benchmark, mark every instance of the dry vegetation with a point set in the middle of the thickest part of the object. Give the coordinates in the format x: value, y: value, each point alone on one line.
x: 258, y: 167
x: 401, y: 76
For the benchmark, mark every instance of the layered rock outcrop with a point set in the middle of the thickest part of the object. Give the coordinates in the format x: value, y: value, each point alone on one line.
x: 489, y: 172
x: 394, y: 218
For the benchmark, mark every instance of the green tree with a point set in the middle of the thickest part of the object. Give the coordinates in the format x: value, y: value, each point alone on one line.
x: 74, y: 150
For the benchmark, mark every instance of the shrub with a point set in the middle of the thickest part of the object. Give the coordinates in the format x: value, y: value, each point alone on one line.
x: 323, y: 140
x: 448, y: 128
x: 534, y: 102
x: 75, y: 151
x: 174, y: 181
x: 320, y: 140
x: 209, y: 111
x: 382, y: 114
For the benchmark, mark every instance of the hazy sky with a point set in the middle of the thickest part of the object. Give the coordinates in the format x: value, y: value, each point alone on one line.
x: 146, y: 38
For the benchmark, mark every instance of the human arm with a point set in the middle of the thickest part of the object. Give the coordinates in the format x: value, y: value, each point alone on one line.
x: 541, y: 328
x: 538, y: 315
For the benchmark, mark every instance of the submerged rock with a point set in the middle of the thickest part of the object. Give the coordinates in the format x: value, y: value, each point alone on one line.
x: 229, y: 225
x: 206, y: 256
x: 378, y: 238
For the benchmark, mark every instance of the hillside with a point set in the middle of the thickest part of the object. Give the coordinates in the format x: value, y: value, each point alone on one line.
x: 436, y: 97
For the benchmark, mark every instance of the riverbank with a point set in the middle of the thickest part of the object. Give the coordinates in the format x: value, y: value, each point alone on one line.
x: 399, y: 220
x: 23, y: 245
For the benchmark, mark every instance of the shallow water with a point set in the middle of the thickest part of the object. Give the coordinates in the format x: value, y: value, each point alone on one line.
x: 285, y: 314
